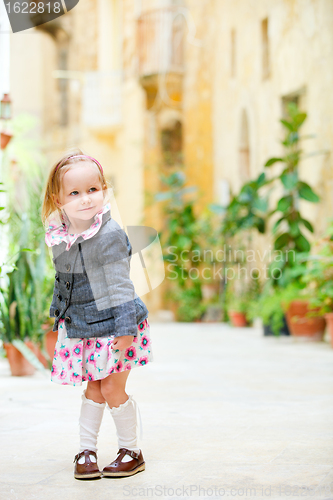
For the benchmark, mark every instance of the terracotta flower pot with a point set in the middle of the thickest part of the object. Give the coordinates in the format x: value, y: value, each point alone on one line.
x: 5, y: 138
x: 238, y: 318
x: 50, y: 340
x: 302, y: 326
x: 19, y: 365
x: 329, y: 319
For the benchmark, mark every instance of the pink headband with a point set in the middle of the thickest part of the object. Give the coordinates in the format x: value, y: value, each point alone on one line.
x: 81, y: 156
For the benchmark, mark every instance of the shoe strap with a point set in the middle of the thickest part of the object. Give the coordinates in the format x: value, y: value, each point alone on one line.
x: 86, y: 453
x: 131, y: 453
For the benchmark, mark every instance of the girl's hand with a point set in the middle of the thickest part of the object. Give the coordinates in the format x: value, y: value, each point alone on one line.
x: 122, y: 342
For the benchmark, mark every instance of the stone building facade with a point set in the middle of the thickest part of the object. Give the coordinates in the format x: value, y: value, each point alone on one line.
x: 210, y: 79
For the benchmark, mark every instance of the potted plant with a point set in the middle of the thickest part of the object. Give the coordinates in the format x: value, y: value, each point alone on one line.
x: 181, y: 247
x: 319, y: 277
x: 237, y: 310
x: 26, y: 279
x: 18, y: 329
x: 289, y: 229
x: 271, y: 306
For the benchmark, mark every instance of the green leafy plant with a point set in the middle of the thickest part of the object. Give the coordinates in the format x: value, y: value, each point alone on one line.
x: 27, y: 275
x: 273, y: 303
x: 318, y: 278
x: 288, y: 230
x: 180, y: 238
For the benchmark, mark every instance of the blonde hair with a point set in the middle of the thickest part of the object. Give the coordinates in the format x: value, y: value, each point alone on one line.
x: 54, y: 181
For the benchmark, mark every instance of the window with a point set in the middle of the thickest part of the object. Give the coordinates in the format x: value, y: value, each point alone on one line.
x: 265, y: 49
x: 171, y: 144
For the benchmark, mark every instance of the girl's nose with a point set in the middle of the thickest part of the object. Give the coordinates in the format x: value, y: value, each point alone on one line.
x: 85, y: 199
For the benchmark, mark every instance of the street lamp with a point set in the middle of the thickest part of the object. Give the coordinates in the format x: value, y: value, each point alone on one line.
x: 6, y: 107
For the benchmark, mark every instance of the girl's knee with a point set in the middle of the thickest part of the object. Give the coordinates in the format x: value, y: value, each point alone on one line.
x: 93, y: 391
x: 113, y: 384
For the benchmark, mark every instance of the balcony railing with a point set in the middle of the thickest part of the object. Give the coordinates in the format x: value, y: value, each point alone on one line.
x: 160, y: 41
x: 102, y: 99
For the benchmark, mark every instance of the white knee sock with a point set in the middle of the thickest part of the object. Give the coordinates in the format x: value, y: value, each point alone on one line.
x: 90, y: 421
x: 125, y: 419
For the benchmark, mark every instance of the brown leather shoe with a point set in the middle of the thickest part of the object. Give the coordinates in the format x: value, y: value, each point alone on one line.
x: 117, y: 468
x: 89, y: 469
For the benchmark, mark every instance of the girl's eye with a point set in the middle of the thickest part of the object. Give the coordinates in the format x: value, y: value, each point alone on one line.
x: 73, y: 192
x: 94, y: 189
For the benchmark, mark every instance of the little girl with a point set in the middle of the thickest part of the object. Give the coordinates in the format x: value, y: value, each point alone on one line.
x: 103, y: 329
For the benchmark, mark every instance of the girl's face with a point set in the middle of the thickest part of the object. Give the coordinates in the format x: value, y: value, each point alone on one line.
x: 81, y: 193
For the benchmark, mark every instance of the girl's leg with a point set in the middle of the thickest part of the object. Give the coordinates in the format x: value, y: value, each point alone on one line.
x: 113, y: 388
x: 92, y: 409
x: 93, y: 391
x: 122, y: 408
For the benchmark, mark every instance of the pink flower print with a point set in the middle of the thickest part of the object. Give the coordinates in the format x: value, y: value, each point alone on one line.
x: 118, y: 366
x: 111, y: 371
x: 64, y: 354
x: 54, y: 370
x: 62, y: 375
x: 142, y: 326
x: 75, y: 377
x: 128, y: 366
x: 90, y: 376
x: 89, y: 344
x: 143, y: 361
x: 135, y: 340
x: 99, y: 345
x: 110, y: 354
x: 55, y: 353
x: 91, y: 359
x: 130, y: 353
x: 70, y: 364
x: 145, y: 341
x: 77, y: 350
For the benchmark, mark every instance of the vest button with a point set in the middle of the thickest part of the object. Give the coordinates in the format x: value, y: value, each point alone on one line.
x: 56, y: 312
x: 68, y: 319
x: 57, y: 277
x: 59, y: 297
x: 68, y: 285
x: 66, y: 301
x: 68, y: 267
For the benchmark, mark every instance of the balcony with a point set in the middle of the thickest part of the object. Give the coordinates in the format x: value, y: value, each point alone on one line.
x: 102, y: 100
x: 160, y: 38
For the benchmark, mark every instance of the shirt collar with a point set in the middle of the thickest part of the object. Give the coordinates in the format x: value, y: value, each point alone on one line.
x: 57, y: 231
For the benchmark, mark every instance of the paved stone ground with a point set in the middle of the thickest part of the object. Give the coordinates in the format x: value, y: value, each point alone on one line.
x: 224, y: 410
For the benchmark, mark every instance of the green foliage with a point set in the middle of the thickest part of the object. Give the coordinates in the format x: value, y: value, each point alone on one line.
x: 319, y: 273
x: 247, y: 209
x: 273, y: 302
x: 288, y: 230
x: 240, y: 298
x: 190, y: 305
x: 27, y: 276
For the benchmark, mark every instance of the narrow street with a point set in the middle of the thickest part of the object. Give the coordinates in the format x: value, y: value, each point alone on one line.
x: 226, y: 412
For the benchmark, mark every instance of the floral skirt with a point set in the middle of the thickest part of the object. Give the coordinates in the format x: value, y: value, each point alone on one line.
x: 79, y: 360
